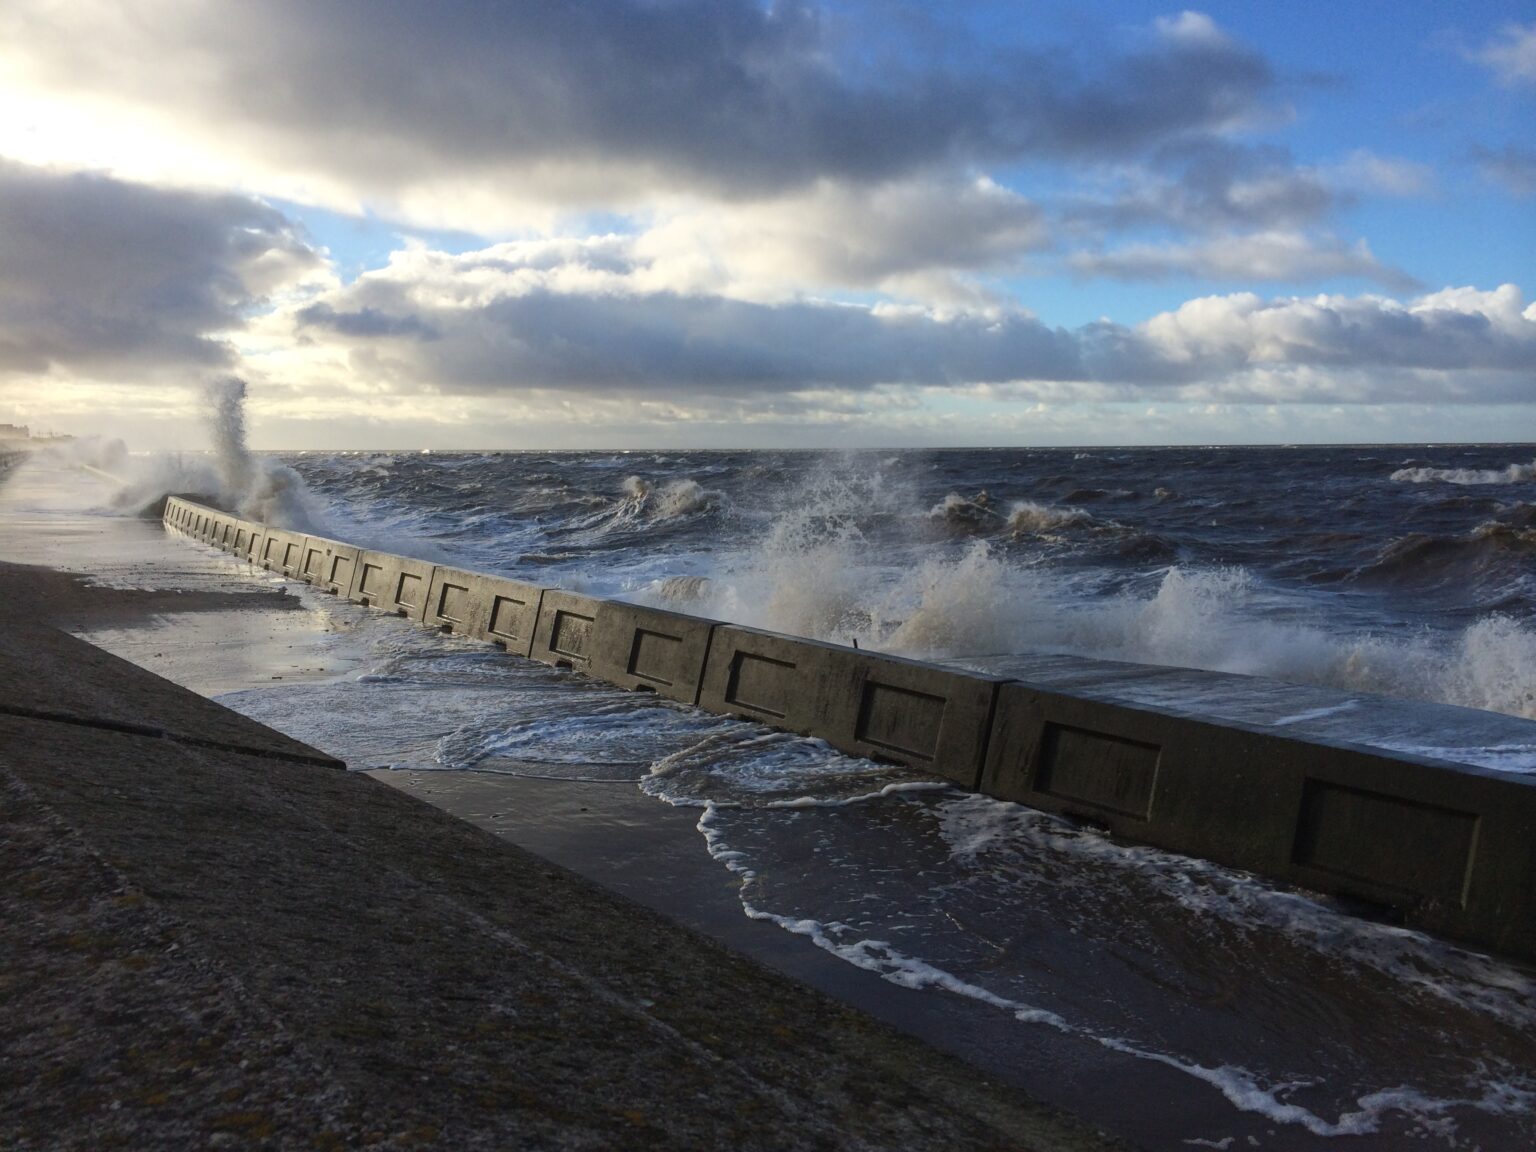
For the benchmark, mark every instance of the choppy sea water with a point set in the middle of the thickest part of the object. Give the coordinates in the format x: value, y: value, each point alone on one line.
x: 1406, y: 571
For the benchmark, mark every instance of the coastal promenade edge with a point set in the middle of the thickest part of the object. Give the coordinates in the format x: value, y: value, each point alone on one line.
x: 1448, y: 848
x: 214, y: 937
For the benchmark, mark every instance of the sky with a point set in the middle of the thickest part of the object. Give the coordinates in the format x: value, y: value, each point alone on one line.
x: 729, y: 223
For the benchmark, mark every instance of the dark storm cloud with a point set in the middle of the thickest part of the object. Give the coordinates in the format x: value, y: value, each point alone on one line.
x: 100, y: 274
x: 723, y: 94
x: 595, y: 335
x: 672, y: 344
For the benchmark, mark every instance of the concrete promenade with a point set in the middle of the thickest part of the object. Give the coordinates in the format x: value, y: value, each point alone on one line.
x: 211, y: 936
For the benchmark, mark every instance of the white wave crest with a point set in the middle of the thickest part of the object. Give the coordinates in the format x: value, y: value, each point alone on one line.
x: 1514, y: 474
x: 1027, y: 516
x: 671, y: 500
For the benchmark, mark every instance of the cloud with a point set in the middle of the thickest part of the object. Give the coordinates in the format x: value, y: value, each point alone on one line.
x: 1365, y: 171
x: 1285, y: 257
x: 104, y: 277
x: 591, y: 319
x: 1357, y: 346
x: 922, y: 234
x: 510, y: 319
x: 1210, y: 186
x: 599, y: 102
x: 1511, y: 55
x: 1512, y: 167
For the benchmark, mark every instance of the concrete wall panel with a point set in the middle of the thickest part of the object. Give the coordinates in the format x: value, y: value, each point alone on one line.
x: 566, y: 633
x: 777, y: 680
x: 255, y: 539
x: 481, y: 607
x: 650, y: 650
x: 281, y: 551
x: 1452, y: 848
x: 328, y: 564
x: 864, y: 703
x: 393, y: 583
x: 926, y: 717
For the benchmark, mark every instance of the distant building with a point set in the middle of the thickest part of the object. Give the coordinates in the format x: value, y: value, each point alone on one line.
x: 14, y: 432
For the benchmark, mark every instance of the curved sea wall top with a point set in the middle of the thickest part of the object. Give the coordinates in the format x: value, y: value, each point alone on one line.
x: 1450, y: 848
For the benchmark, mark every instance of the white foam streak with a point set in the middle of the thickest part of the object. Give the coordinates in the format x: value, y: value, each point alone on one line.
x: 1239, y: 1086
x: 863, y: 798
x: 1514, y: 474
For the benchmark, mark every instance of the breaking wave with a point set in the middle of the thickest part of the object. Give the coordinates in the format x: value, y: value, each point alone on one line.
x: 672, y: 499
x: 1027, y: 516
x: 1514, y: 474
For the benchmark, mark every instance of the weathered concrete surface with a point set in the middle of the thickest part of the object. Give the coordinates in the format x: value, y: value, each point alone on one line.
x: 480, y: 607
x: 204, y: 947
x: 328, y: 564
x: 255, y: 544
x: 393, y: 583
x: 1451, y: 846
x: 650, y: 650
x: 1301, y: 711
x: 566, y: 634
x: 282, y: 551
x: 47, y: 674
x: 864, y: 703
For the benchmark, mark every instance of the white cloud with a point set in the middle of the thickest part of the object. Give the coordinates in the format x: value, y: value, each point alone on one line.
x: 1190, y: 27
x: 1511, y: 55
x: 911, y: 237
x: 1366, y: 172
x: 1490, y: 336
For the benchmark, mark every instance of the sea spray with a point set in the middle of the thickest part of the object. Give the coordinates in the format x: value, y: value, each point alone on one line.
x: 225, y: 401
x: 232, y: 477
x: 263, y: 490
x: 809, y: 574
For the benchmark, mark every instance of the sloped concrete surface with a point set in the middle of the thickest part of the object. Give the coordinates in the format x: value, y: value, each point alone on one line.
x: 201, y: 946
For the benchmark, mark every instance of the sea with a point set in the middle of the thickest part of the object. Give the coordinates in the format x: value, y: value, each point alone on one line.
x: 1406, y: 572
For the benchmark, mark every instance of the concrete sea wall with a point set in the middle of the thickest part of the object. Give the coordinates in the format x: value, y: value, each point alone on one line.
x: 1449, y: 847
